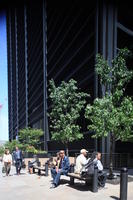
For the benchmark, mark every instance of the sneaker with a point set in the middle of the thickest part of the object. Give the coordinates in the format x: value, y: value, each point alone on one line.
x: 102, y: 187
x: 53, y: 186
x: 105, y: 187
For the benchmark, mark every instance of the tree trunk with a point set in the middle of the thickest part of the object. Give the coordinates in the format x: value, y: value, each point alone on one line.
x: 111, y: 175
x: 66, y: 145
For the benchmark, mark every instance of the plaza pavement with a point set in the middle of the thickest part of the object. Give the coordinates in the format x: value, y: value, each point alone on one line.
x: 33, y: 187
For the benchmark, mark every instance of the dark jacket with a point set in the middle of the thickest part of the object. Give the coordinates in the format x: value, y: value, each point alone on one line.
x: 15, y: 155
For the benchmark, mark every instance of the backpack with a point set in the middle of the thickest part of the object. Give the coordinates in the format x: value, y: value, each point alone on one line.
x: 89, y: 168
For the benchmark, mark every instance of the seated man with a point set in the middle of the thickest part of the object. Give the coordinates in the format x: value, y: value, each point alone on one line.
x: 81, y: 161
x: 34, y: 161
x: 54, y: 162
x: 102, y: 176
x: 62, y: 169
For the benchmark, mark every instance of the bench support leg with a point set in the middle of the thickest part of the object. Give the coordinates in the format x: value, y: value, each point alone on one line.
x: 39, y: 172
x: 87, y: 183
x: 71, y: 181
x: 46, y: 169
x: 33, y: 170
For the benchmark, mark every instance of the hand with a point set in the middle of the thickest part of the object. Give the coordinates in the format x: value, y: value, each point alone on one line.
x: 57, y: 169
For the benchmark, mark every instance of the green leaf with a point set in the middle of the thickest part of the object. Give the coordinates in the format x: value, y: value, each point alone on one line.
x: 67, y: 102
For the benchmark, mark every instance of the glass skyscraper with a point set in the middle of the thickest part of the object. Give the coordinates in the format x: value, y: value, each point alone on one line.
x: 59, y: 40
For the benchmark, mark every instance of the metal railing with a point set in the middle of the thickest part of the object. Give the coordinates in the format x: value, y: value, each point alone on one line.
x: 119, y: 160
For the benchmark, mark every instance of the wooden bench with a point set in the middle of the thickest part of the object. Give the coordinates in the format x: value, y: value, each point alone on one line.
x: 91, y: 179
x: 40, y: 169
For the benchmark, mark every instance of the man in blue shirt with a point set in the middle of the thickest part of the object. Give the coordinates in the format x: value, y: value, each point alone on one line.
x: 17, y: 155
x: 62, y: 169
x: 102, y: 175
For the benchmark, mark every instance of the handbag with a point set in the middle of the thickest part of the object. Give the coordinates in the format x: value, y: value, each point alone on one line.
x: 3, y: 169
x: 23, y: 164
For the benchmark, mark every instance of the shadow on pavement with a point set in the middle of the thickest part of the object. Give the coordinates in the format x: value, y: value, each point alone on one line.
x: 20, y: 174
x: 81, y: 187
x: 114, y: 197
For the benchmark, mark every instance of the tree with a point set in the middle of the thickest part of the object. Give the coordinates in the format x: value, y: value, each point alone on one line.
x: 113, y: 113
x: 2, y: 149
x: 66, y: 105
x: 11, y: 145
x: 30, y: 138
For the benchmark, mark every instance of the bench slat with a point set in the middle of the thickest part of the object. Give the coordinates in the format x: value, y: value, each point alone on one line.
x: 40, y: 168
x: 78, y: 176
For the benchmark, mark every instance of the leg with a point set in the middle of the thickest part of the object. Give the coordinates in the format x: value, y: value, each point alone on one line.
x: 6, y: 170
x: 53, y: 173
x: 57, y: 178
x: 102, y: 179
x: 17, y: 165
x: 20, y: 165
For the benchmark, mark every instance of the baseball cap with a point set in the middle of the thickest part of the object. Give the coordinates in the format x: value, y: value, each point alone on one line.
x: 83, y: 150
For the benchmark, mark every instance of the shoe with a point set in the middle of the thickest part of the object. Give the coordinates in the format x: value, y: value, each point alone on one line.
x: 53, y: 186
x: 105, y: 187
x: 102, y: 187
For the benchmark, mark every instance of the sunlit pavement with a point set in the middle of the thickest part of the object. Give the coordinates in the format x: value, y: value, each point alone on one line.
x: 33, y: 187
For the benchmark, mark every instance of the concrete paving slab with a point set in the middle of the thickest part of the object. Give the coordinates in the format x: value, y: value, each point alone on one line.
x: 33, y: 187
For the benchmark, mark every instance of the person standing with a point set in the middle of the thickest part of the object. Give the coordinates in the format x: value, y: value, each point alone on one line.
x: 61, y: 169
x: 7, y: 159
x: 17, y: 155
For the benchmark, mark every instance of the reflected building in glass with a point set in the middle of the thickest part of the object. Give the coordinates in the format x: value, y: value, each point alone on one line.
x: 59, y: 40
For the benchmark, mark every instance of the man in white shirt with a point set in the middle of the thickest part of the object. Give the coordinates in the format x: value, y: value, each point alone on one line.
x: 81, y: 161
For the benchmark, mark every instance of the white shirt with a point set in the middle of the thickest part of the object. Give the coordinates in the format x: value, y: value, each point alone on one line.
x: 99, y: 164
x: 81, y: 161
x: 7, y: 158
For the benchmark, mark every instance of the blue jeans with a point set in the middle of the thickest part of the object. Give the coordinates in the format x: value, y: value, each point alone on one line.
x: 18, y: 165
x: 56, y: 175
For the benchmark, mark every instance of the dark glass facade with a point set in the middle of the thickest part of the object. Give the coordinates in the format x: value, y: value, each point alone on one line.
x: 59, y: 40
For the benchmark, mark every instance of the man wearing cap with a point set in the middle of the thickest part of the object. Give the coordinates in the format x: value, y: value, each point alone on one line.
x: 81, y: 161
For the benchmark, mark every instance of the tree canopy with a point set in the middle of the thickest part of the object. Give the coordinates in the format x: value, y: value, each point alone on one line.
x: 30, y: 137
x: 67, y: 102
x: 113, y: 112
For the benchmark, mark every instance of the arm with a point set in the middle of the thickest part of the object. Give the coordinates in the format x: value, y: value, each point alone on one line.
x: 14, y: 157
x: 99, y: 165
x: 84, y: 161
x: 67, y: 164
x: 3, y: 158
x: 21, y: 155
